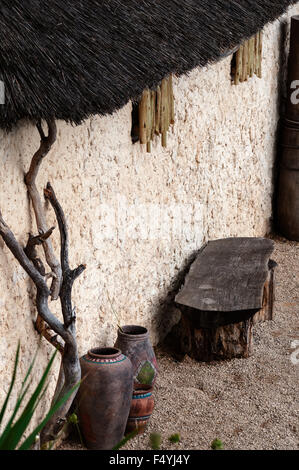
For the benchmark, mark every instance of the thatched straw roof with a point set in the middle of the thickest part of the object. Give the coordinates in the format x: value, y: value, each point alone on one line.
x: 71, y: 59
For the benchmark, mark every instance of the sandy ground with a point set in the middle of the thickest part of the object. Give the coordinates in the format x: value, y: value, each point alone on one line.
x: 247, y: 403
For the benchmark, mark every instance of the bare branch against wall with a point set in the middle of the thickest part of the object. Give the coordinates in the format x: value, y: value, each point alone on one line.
x: 61, y: 335
x: 30, y: 180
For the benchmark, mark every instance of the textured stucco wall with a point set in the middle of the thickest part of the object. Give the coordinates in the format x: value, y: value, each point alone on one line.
x: 134, y: 218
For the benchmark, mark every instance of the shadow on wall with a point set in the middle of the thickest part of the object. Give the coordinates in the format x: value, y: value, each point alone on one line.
x: 166, y: 313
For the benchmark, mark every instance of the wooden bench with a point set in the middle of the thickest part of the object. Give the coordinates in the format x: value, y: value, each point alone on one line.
x: 229, y: 288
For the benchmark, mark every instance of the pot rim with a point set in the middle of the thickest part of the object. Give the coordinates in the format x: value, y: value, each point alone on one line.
x: 143, y: 390
x: 141, y: 332
x: 104, y: 352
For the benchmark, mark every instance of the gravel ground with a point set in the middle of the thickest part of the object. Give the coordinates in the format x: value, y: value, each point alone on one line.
x: 247, y: 403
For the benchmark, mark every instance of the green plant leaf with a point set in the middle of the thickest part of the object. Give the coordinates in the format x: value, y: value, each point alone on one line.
x: 30, y: 440
x: 13, y: 432
x: 126, y: 439
x: 174, y: 438
x: 217, y: 444
x: 17, y: 430
x: 11, y: 383
x: 8, y: 426
x: 155, y: 440
x: 20, y: 399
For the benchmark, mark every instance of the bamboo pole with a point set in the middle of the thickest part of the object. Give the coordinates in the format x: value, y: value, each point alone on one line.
x: 158, y: 111
x: 260, y: 54
x: 149, y: 121
x: 164, y: 111
x: 171, y: 100
x: 153, y: 107
x: 149, y: 116
x: 154, y: 100
x: 248, y: 58
x: 239, y: 61
x: 251, y: 56
x: 168, y: 109
x: 143, y: 117
x: 164, y: 139
x: 245, y: 62
x: 256, y: 53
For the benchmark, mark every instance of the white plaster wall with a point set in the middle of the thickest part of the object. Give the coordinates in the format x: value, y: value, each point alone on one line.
x: 134, y: 218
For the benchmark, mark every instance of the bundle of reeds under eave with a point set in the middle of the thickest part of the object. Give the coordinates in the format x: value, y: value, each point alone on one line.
x: 248, y: 59
x: 156, y: 113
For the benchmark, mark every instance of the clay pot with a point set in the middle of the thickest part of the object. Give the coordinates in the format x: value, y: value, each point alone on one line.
x: 141, y: 410
x: 104, y: 397
x: 134, y: 342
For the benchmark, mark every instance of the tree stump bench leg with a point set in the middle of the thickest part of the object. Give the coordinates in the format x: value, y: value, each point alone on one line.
x: 267, y: 311
x: 218, y: 343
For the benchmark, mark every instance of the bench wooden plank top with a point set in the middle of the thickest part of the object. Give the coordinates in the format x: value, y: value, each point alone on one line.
x: 228, y: 275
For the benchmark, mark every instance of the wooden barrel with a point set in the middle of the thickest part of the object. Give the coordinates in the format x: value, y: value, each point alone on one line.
x: 292, y: 108
x: 288, y: 186
x: 288, y: 192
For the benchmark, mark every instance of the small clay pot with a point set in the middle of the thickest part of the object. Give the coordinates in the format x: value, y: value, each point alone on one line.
x: 104, y: 397
x: 141, y: 410
x: 134, y: 342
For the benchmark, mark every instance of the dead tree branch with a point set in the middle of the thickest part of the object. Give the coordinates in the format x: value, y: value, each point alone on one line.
x: 71, y: 370
x: 68, y: 375
x: 43, y: 292
x: 63, y: 278
x: 30, y: 251
x: 30, y: 180
x: 45, y: 331
x: 68, y: 275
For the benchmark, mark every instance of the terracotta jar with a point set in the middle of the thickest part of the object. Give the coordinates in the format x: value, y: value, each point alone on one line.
x: 141, y: 409
x: 134, y: 342
x: 104, y: 397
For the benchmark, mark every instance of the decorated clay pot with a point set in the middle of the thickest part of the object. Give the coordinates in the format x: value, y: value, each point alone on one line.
x: 104, y: 397
x: 141, y: 410
x: 134, y: 342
